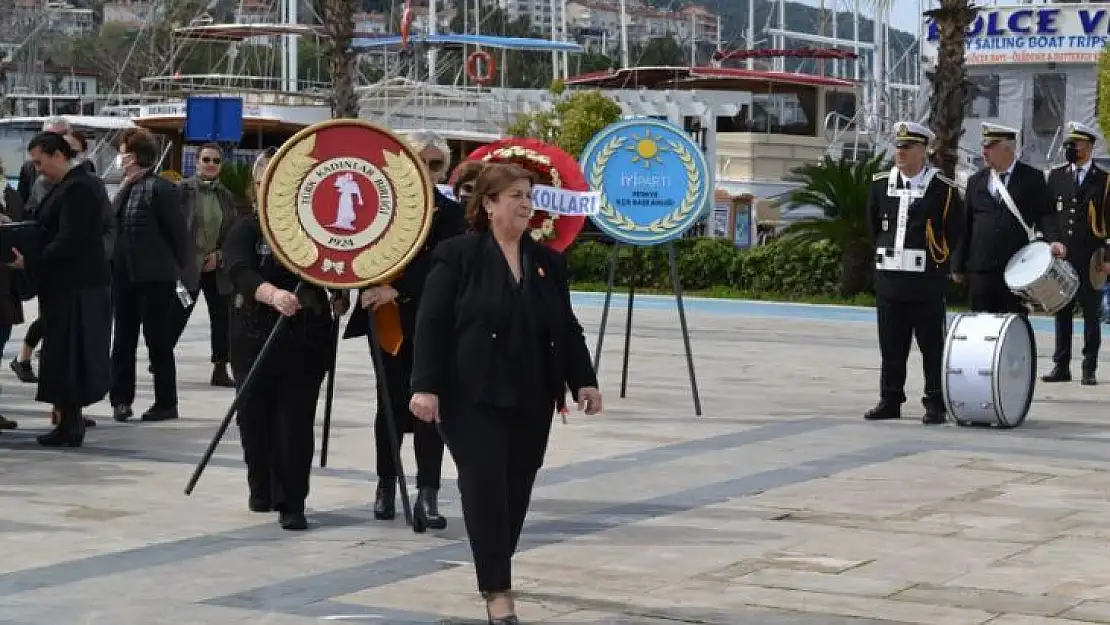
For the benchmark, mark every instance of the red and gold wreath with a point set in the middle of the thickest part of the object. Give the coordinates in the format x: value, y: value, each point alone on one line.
x: 553, y: 167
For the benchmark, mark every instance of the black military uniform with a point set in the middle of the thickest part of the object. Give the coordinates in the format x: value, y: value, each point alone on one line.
x: 1079, y: 193
x: 993, y: 235
x: 911, y: 276
x: 448, y: 221
x: 277, y: 414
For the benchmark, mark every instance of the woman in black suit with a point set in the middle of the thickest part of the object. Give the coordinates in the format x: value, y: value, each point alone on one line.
x: 73, y: 289
x: 277, y: 413
x: 497, y: 344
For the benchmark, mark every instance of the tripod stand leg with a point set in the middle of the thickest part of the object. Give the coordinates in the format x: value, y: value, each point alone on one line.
x: 239, y: 393
x: 330, y: 394
x: 390, y: 421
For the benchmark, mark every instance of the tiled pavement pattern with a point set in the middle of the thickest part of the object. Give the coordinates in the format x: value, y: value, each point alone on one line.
x: 779, y: 506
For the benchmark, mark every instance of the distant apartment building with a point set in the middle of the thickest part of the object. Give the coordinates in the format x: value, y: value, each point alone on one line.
x: 544, y: 15
x: 70, y: 20
x: 131, y: 13
x: 596, y: 23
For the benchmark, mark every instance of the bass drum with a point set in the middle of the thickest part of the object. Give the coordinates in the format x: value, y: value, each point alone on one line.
x: 990, y: 369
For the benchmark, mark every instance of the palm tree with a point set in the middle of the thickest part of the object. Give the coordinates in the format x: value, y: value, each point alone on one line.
x: 949, y: 80
x: 338, y: 21
x: 839, y: 187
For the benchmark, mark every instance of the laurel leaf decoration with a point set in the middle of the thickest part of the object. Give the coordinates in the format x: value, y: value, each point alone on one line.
x: 664, y: 224
x: 409, y: 211
x: 281, y: 204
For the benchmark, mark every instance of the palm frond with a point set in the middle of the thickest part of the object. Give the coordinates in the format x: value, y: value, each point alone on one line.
x: 839, y: 187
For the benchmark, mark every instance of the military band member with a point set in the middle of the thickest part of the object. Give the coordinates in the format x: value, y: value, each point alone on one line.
x: 916, y: 217
x: 277, y: 413
x: 1079, y: 189
x: 992, y: 233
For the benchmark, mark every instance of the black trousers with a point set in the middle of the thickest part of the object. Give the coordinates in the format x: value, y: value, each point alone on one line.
x: 149, y: 306
x: 1088, y: 300
x: 987, y: 292
x: 498, y: 453
x: 34, y: 333
x: 275, y: 419
x: 218, y: 311
x: 899, y: 323
x: 426, y: 440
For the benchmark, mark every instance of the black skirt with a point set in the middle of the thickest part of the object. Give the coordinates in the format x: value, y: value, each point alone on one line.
x: 76, y: 348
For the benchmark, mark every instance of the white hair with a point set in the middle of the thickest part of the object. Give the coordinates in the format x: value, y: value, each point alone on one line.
x: 57, y: 122
x: 424, y: 139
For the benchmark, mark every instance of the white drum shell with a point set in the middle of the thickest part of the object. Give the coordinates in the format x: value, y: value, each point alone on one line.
x: 989, y: 369
x: 1038, y: 277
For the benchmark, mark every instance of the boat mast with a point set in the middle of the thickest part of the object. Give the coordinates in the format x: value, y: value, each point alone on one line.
x: 624, y: 36
x: 289, y: 56
x: 433, y: 17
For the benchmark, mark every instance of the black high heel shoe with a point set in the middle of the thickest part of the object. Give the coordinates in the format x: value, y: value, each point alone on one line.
x: 501, y: 620
x: 385, y: 499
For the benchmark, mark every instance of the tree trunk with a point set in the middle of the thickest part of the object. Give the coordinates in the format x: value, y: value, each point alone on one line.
x: 339, y: 26
x: 949, y: 95
x: 856, y: 266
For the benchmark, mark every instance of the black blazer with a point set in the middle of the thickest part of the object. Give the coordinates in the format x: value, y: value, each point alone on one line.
x: 993, y: 235
x: 72, y: 220
x: 1073, y: 208
x: 448, y: 221
x: 455, y: 341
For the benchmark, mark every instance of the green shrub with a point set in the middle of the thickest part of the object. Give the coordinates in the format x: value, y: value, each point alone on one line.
x: 782, y: 269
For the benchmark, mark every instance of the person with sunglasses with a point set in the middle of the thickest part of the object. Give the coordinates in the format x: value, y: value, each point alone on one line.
x: 394, y: 309
x: 209, y: 211
x: 465, y: 176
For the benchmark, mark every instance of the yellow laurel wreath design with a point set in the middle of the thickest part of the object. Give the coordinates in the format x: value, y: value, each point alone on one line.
x: 665, y: 223
x: 281, y: 205
x: 408, y: 215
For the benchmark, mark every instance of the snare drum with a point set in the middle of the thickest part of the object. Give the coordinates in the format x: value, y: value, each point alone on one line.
x: 990, y: 368
x: 1040, y: 278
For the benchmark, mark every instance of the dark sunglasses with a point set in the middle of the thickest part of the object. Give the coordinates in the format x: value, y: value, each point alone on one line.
x: 214, y: 161
x: 467, y: 188
x: 434, y: 164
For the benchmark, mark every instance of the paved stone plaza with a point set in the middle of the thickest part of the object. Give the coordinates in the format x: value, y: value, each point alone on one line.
x: 779, y: 505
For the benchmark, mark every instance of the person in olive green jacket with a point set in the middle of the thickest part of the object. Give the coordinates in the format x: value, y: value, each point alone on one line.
x: 209, y: 212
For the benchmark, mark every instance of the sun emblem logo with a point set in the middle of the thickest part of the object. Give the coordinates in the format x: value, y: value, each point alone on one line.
x: 647, y: 149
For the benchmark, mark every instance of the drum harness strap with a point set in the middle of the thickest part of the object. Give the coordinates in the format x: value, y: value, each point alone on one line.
x: 1004, y: 195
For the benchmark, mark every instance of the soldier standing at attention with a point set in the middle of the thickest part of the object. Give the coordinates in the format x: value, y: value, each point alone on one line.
x: 916, y: 216
x: 1078, y: 190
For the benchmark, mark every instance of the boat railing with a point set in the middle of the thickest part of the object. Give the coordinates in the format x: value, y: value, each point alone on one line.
x: 254, y: 89
x: 401, y: 105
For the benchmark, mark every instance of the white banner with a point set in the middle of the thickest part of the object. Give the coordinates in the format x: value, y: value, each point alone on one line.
x: 557, y: 201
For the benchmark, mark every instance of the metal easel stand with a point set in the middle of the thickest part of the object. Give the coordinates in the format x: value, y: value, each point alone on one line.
x: 677, y: 285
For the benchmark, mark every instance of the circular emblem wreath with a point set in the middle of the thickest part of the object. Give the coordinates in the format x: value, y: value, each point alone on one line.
x: 663, y: 224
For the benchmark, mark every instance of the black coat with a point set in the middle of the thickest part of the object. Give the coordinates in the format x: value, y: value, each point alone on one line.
x: 74, y: 297
x: 448, y: 221
x: 992, y: 234
x: 1081, y: 212
x: 306, y: 340
x: 152, y: 242
x: 11, y: 304
x: 456, y: 338
x: 939, y: 213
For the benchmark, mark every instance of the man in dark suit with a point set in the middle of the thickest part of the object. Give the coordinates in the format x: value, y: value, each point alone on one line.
x: 915, y: 215
x: 993, y: 234
x: 1079, y: 190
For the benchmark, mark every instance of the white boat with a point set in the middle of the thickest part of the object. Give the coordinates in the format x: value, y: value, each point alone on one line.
x: 100, y: 130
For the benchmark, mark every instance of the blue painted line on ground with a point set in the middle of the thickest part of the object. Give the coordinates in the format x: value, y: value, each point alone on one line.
x: 754, y: 308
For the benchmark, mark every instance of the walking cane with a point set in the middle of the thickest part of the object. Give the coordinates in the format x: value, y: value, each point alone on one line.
x: 390, y: 418
x: 240, y: 392
x: 330, y: 394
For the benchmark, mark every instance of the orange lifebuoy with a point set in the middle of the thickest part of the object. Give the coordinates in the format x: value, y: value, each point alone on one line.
x: 489, y: 65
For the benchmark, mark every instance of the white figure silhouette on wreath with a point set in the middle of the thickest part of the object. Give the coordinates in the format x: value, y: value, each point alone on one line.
x: 349, y: 191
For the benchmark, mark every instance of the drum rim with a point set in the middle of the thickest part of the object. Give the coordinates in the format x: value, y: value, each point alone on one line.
x: 996, y: 391
x: 944, y: 361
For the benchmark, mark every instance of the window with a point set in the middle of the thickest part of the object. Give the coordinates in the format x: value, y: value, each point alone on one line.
x: 982, y: 96
x: 1049, y: 104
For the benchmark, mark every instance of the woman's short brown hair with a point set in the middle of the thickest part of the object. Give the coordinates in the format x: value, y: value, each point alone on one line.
x: 140, y: 143
x: 466, y: 172
x: 492, y: 180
